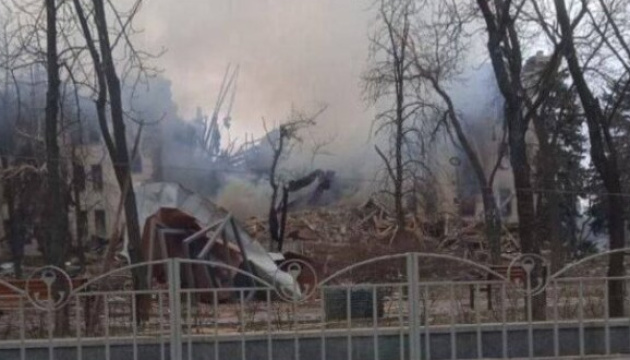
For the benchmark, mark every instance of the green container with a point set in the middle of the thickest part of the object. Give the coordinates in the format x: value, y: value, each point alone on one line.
x: 361, y: 304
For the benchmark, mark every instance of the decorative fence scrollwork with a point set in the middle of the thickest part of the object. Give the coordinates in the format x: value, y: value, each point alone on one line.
x: 403, y: 303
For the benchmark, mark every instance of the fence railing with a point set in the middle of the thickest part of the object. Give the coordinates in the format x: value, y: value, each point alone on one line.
x: 405, y: 306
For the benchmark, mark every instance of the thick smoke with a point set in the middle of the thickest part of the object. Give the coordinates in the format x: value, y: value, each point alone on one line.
x: 173, y: 145
x: 291, y: 55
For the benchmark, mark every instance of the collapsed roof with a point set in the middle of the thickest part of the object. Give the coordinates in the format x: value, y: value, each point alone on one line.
x: 172, y: 205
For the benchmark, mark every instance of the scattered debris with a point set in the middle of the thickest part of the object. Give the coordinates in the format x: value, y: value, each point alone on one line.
x: 183, y: 224
x: 180, y: 223
x: 338, y: 236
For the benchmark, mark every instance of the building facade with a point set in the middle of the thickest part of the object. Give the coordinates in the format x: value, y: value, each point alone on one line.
x: 481, y: 114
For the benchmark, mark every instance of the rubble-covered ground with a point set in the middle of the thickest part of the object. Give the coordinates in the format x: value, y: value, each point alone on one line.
x: 338, y: 236
x: 335, y: 237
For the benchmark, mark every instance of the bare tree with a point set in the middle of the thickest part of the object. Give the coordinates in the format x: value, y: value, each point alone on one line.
x: 386, y: 84
x: 501, y: 19
x: 438, y: 49
x: 591, y: 37
x: 504, y: 48
x: 78, y: 63
x: 602, y: 147
x: 280, y: 141
x: 108, y: 86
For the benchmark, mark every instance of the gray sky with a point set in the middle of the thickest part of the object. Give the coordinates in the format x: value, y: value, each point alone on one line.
x: 291, y: 52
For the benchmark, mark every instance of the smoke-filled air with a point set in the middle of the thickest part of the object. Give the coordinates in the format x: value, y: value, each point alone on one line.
x: 314, y: 179
x: 289, y: 56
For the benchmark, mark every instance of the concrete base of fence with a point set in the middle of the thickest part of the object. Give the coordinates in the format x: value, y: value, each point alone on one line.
x: 467, y: 342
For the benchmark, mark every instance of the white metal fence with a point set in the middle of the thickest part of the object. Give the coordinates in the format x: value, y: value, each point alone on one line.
x: 406, y: 306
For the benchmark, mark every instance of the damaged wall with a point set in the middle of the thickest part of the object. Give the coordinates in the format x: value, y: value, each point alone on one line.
x: 481, y: 116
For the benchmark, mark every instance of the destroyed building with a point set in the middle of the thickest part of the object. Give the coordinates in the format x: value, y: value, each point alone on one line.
x: 178, y: 223
x: 482, y: 116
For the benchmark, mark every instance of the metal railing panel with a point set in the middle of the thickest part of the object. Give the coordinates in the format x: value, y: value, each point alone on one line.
x: 404, y: 314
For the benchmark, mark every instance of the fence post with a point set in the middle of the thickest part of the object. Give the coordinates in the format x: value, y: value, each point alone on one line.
x: 174, y: 300
x: 414, y: 299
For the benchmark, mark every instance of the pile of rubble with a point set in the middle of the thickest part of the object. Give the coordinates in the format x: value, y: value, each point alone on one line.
x: 337, y: 237
x: 469, y: 235
x: 367, y: 223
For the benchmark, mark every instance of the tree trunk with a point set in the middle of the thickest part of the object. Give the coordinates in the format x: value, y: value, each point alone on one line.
x: 548, y: 212
x: 616, y: 268
x: 399, y: 63
x: 272, y: 219
x: 504, y: 49
x: 120, y: 157
x: 551, y: 216
x: 522, y: 179
x: 525, y: 200
x: 79, y: 222
x: 55, y: 244
x: 56, y: 209
x: 492, y: 222
x: 283, y: 217
x: 16, y: 244
x: 274, y: 225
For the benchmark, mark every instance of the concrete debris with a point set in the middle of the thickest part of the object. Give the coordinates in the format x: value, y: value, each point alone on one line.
x: 336, y: 236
